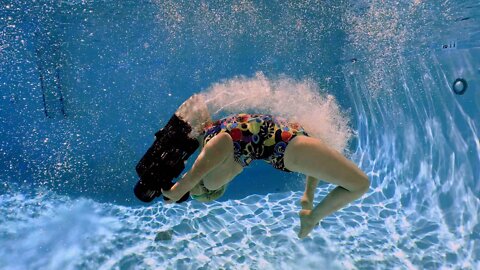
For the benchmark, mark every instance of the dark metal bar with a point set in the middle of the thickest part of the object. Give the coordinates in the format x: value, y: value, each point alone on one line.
x: 59, y: 87
x: 42, y: 84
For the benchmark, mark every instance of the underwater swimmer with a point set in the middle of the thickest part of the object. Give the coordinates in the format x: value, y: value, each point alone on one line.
x: 231, y: 143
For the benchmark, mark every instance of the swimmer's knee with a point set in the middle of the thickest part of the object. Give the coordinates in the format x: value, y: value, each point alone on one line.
x: 364, y: 184
x: 225, y: 137
x: 221, y: 141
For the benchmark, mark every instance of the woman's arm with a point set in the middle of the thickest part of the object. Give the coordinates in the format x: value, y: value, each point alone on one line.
x: 212, y: 155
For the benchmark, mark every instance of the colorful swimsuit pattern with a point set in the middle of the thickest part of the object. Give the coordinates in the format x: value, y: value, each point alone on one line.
x: 257, y: 136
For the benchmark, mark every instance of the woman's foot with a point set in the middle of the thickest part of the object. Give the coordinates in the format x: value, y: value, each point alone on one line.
x: 307, y: 223
x: 306, y: 203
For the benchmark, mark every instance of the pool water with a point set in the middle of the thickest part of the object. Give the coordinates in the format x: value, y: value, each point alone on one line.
x: 84, y: 85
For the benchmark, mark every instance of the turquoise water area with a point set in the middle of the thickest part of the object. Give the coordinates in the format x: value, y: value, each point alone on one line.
x: 84, y: 85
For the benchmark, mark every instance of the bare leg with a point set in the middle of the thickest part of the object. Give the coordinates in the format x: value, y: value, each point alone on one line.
x: 312, y: 157
x: 307, y: 199
x: 223, y: 173
x: 212, y: 155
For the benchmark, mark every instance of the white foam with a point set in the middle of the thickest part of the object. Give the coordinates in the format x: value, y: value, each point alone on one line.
x: 300, y: 101
x: 195, y: 112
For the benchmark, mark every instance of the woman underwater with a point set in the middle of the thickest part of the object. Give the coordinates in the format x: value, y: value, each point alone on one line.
x: 231, y: 143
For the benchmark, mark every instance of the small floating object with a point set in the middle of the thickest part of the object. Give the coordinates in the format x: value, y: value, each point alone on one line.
x: 459, y: 86
x: 164, y: 235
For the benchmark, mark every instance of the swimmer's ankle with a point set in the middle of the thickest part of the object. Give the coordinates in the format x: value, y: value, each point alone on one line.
x: 306, y: 202
x: 306, y: 205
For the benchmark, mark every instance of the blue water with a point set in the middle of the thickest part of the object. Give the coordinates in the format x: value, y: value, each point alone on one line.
x: 84, y: 85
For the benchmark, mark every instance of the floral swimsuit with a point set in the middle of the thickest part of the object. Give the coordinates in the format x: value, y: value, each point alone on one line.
x: 256, y: 136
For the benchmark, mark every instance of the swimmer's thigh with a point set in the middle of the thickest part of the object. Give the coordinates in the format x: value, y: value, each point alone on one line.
x: 224, y: 172
x: 312, y: 157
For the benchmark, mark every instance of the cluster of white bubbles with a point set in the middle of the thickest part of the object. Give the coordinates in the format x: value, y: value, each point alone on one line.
x: 299, y: 101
